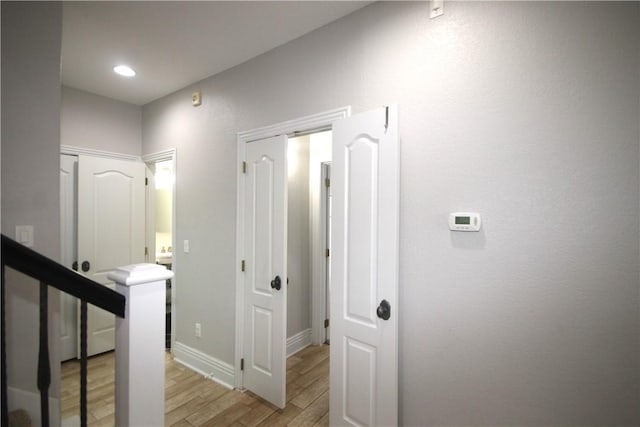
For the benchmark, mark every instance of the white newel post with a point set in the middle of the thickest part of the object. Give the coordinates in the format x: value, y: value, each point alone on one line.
x: 140, y: 343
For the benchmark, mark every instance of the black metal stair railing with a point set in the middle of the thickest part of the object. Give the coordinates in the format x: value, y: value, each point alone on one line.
x: 51, y: 273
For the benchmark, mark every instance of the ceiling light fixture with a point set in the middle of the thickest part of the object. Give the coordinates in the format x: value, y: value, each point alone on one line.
x: 124, y: 70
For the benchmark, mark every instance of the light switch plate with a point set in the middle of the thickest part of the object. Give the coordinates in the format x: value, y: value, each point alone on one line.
x: 186, y: 247
x: 24, y: 235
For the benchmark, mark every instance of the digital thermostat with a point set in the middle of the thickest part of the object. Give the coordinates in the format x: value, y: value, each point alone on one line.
x: 464, y: 221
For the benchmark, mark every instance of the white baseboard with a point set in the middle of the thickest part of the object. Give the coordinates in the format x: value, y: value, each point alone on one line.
x: 219, y: 371
x: 298, y: 342
x: 30, y: 402
x: 222, y: 372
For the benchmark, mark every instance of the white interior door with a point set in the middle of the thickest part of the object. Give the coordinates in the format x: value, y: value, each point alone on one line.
x: 111, y: 231
x: 69, y: 253
x: 364, y: 279
x: 265, y: 294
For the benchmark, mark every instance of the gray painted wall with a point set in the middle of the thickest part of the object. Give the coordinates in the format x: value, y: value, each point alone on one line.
x: 525, y: 112
x: 298, y: 261
x: 99, y: 123
x: 31, y: 36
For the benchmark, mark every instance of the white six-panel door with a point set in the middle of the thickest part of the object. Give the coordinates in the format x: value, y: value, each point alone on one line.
x: 265, y: 230
x: 111, y: 231
x: 365, y: 186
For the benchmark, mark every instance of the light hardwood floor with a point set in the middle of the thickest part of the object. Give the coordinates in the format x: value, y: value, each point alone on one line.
x: 192, y: 400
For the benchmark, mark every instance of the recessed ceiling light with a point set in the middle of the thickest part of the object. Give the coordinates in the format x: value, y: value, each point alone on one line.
x: 124, y: 70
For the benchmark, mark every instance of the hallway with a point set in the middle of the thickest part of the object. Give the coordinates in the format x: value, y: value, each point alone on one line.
x: 191, y: 400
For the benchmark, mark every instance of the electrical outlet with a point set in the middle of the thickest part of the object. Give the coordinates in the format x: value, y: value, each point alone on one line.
x: 198, y: 330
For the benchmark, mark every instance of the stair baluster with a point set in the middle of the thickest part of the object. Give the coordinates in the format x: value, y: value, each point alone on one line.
x: 3, y: 339
x: 44, y: 368
x: 83, y: 363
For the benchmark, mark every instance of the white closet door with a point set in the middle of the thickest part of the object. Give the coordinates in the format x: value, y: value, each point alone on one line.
x: 364, y: 270
x: 265, y: 293
x: 111, y: 230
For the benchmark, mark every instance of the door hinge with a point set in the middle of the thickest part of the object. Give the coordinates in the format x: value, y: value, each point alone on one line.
x: 242, y: 265
x: 326, y: 252
x: 326, y: 323
x: 146, y: 181
x: 327, y: 182
x: 386, y: 118
x: 146, y: 250
x: 244, y: 167
x: 242, y: 364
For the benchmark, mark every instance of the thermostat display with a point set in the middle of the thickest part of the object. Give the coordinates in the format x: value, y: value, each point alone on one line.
x: 464, y: 221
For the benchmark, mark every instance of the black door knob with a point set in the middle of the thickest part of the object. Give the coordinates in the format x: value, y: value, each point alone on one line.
x: 86, y: 266
x: 74, y: 266
x: 276, y: 283
x: 384, y: 310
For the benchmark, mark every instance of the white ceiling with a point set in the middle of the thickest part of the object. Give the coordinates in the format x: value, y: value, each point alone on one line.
x: 174, y: 44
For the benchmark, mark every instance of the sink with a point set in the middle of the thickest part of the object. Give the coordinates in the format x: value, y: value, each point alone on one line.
x: 164, y: 257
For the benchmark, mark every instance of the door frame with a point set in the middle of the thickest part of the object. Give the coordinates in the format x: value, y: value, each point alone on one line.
x: 296, y: 127
x: 321, y: 301
x: 170, y: 154
x: 75, y: 151
x: 69, y: 243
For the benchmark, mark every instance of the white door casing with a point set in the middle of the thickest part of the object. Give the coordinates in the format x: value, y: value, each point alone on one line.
x: 265, y: 244
x: 111, y: 231
x: 314, y: 122
x: 150, y: 213
x: 68, y: 233
x: 364, y: 263
x: 326, y: 231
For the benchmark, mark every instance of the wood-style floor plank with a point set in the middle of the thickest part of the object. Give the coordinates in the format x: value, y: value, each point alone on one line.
x: 281, y: 417
x: 312, y: 413
x: 193, y: 401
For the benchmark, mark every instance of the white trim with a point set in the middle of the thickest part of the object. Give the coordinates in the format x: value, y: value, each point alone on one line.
x: 320, y: 263
x: 169, y: 154
x: 212, y: 368
x: 302, y: 124
x: 298, y: 342
x: 314, y: 121
x: 239, y: 349
x: 150, y: 213
x: 76, y: 151
x: 318, y: 245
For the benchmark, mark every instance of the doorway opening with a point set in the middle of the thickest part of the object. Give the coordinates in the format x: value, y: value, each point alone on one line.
x: 308, y: 238
x: 161, y: 226
x: 308, y: 255
x: 164, y: 237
